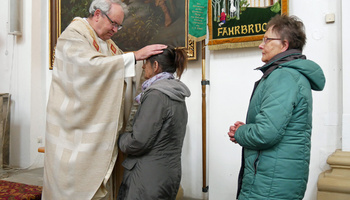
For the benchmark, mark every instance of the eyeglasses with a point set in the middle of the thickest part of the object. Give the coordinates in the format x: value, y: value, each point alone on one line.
x: 114, y: 24
x: 265, y: 39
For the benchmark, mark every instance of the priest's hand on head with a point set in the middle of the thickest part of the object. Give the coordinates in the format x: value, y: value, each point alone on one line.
x: 149, y: 50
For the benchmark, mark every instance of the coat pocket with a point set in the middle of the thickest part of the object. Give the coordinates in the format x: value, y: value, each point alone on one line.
x: 129, y: 164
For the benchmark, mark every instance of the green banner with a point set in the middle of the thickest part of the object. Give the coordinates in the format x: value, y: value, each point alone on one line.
x: 197, y: 19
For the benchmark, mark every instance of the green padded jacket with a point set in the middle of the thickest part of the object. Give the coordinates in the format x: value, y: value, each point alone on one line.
x: 276, y: 138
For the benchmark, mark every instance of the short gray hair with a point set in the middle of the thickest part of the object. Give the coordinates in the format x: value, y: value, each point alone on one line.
x: 105, y: 6
x: 289, y: 28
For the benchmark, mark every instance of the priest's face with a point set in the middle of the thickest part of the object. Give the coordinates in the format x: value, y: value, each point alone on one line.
x: 109, y: 24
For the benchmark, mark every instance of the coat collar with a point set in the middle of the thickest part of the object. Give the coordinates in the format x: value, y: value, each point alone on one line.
x: 280, y: 58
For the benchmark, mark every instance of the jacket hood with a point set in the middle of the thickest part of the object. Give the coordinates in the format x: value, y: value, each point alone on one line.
x: 295, y: 60
x: 311, y: 70
x: 174, y: 88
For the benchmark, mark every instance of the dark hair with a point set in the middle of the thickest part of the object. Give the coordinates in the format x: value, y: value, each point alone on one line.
x: 289, y: 28
x: 171, y: 60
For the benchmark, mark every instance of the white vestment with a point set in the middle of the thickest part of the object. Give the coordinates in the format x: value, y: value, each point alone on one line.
x: 84, y: 114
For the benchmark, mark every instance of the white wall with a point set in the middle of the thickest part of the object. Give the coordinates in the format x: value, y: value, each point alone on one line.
x: 24, y: 73
x: 346, y: 75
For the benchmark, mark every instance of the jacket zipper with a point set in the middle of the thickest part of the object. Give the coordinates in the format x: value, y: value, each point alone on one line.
x: 256, y: 163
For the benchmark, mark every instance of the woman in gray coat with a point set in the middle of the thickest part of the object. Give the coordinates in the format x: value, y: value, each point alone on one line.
x: 153, y: 148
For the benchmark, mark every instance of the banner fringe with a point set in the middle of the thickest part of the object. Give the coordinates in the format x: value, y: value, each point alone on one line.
x: 196, y: 39
x: 234, y: 45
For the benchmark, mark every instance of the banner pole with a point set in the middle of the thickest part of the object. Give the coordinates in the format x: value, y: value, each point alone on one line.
x: 204, y: 82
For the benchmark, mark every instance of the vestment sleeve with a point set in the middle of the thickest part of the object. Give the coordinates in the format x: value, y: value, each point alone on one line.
x: 129, y: 61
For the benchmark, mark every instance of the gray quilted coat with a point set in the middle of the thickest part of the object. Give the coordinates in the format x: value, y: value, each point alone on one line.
x: 153, y: 165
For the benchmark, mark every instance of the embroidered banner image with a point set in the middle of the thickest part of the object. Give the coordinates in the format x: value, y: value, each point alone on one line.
x: 241, y: 23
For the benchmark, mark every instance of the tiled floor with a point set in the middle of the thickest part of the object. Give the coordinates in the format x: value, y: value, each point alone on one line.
x: 33, y: 177
x: 26, y: 176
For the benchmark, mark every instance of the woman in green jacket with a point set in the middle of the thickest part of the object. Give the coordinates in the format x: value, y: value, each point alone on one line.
x: 277, y: 135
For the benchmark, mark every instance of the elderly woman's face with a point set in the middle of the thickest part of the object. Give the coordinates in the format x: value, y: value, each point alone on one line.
x: 271, y: 45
